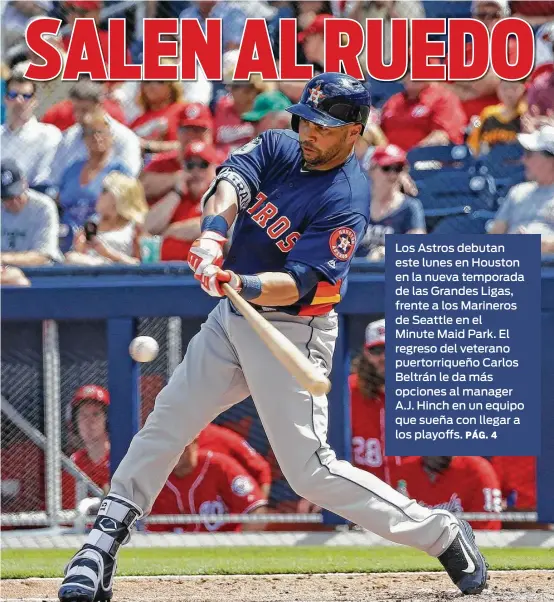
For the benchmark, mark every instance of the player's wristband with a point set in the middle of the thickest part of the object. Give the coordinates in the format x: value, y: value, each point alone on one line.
x: 215, y: 223
x: 251, y: 287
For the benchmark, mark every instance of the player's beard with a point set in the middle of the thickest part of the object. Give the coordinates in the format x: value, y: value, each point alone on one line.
x: 322, y: 157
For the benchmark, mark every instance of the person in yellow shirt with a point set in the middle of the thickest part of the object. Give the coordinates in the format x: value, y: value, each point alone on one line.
x: 500, y: 124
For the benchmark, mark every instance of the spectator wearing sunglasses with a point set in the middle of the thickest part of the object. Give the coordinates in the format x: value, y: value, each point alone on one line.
x: 478, y: 94
x: 391, y: 211
x: 81, y: 183
x: 166, y: 171
x: 529, y: 207
x: 86, y: 100
x: 176, y: 217
x: 367, y: 403
x: 23, y: 138
x: 424, y: 114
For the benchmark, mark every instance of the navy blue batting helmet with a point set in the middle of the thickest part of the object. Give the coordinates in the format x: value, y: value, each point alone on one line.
x: 332, y: 100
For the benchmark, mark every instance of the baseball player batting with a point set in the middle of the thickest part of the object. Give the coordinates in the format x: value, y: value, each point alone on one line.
x: 300, y: 204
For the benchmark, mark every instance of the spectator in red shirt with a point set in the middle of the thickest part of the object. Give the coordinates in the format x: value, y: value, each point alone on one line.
x: 84, y: 97
x: 162, y: 105
x: 166, y: 170
x: 518, y: 481
x: 89, y: 414
x: 425, y: 114
x: 478, y: 94
x: 176, y: 217
x: 454, y: 483
x: 230, y: 130
x: 207, y: 483
x: 367, y: 406
x: 225, y: 441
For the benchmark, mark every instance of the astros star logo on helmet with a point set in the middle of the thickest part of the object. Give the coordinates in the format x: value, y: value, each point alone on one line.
x: 316, y: 95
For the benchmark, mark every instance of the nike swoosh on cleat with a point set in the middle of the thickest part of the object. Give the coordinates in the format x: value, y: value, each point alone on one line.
x: 470, y: 564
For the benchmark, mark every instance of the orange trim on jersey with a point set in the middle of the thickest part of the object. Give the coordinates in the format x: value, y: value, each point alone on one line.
x: 327, y: 293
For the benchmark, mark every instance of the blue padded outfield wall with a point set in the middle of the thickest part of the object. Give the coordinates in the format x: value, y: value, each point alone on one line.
x: 100, y: 311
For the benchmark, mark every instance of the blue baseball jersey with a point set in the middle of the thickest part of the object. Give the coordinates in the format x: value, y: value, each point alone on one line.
x: 289, y: 215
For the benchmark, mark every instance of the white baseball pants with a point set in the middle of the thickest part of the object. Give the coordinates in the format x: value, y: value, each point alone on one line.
x: 227, y: 361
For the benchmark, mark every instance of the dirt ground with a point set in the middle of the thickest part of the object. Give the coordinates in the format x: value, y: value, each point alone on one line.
x: 504, y: 586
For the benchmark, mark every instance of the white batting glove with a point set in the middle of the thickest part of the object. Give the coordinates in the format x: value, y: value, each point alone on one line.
x: 205, y: 251
x: 213, y: 277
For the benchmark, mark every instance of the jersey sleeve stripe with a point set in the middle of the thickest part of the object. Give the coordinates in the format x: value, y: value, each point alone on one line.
x: 319, y: 300
x: 327, y: 293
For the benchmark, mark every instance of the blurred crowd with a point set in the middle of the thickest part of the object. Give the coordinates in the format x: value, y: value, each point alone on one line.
x: 99, y: 173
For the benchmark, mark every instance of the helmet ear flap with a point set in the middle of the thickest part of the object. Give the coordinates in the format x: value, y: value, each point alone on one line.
x: 294, y: 123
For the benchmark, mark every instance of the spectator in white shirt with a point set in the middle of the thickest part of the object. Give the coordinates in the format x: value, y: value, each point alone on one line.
x: 23, y: 138
x: 126, y: 144
x: 529, y: 206
x: 30, y: 224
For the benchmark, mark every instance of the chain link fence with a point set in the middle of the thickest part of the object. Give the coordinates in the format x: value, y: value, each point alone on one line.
x: 32, y: 495
x: 23, y: 477
x: 30, y: 384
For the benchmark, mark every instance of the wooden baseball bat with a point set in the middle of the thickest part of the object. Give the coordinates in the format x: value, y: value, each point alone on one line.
x: 286, y: 352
